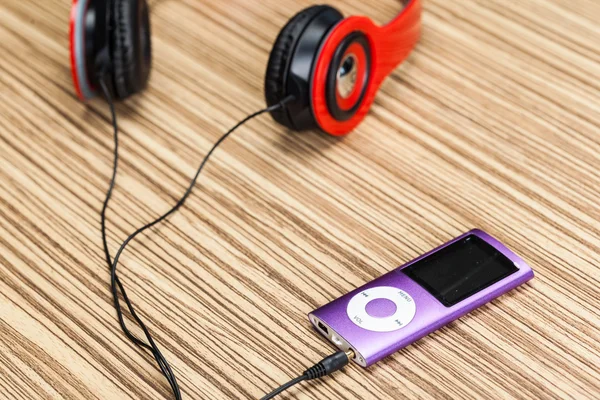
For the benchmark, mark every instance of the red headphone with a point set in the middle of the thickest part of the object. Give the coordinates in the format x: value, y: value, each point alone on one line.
x: 331, y: 66
x: 323, y: 72
x: 334, y: 66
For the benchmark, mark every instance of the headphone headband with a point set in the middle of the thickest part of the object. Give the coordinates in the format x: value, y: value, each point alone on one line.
x: 402, y: 34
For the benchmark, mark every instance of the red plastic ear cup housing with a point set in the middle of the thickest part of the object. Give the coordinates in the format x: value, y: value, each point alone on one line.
x: 389, y: 46
x: 79, y: 49
x: 72, y: 51
x: 356, y: 51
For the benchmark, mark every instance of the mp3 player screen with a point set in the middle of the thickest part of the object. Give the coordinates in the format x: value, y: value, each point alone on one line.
x: 460, y: 270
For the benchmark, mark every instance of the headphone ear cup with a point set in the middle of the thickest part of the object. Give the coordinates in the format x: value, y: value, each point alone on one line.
x: 131, y: 47
x: 280, y: 59
x: 82, y: 75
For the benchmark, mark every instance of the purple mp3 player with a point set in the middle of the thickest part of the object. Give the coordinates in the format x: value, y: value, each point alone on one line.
x: 420, y: 297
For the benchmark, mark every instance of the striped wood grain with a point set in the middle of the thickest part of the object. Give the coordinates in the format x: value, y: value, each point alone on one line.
x: 492, y: 123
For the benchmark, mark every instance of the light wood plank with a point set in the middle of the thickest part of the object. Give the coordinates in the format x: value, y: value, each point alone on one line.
x: 492, y: 123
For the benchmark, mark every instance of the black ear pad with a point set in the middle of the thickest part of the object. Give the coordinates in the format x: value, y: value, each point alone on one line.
x: 275, y: 87
x: 131, y: 49
x: 291, y: 63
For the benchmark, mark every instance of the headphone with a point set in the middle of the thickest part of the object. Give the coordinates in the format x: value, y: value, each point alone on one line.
x: 330, y: 66
x: 323, y: 72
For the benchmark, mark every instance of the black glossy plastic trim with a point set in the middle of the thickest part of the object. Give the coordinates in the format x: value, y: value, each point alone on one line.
x: 300, y: 71
x: 96, y: 38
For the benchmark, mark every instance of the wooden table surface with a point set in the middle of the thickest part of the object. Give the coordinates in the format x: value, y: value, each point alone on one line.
x: 493, y: 123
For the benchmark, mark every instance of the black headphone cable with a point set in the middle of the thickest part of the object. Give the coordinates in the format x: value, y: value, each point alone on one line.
x: 325, y: 367
x: 115, y: 283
